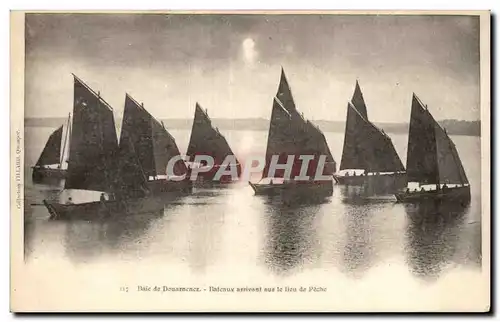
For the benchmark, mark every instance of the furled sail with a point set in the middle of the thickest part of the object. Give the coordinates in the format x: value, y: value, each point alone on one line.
x: 207, y: 140
x: 291, y: 134
x: 432, y: 155
x: 51, y: 153
x: 93, y: 144
x: 367, y: 147
x: 152, y: 143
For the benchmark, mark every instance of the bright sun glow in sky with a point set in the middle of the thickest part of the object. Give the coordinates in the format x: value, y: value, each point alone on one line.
x: 249, y: 51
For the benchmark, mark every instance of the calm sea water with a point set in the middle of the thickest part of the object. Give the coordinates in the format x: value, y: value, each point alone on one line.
x: 214, y: 229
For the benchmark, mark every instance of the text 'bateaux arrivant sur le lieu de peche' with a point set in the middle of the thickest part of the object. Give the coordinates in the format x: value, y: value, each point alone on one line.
x: 245, y: 289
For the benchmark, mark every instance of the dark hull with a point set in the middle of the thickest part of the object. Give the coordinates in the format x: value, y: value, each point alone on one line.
x: 213, y: 184
x: 101, y: 210
x: 46, y: 175
x: 161, y: 193
x: 460, y: 195
x: 390, y: 179
x: 159, y: 187
x: 299, y: 190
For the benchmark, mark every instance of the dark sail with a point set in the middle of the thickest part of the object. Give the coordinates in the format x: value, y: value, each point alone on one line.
x: 367, y: 147
x: 353, y: 154
x: 318, y: 146
x: 152, y: 143
x: 93, y: 144
x: 51, y: 153
x: 450, y: 166
x: 447, y: 166
x: 136, y: 136
x: 458, y: 162
x: 359, y: 102
x: 284, y: 93
x: 280, y: 137
x: 131, y: 179
x: 291, y: 134
x: 165, y: 149
x: 432, y: 155
x: 421, y: 164
x: 207, y: 140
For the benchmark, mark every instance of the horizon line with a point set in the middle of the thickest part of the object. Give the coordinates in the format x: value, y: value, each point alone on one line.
x: 262, y: 118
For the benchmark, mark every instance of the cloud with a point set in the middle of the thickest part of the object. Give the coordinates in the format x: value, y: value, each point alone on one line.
x: 249, y: 51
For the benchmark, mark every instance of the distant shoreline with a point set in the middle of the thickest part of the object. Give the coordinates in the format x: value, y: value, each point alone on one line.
x: 453, y: 127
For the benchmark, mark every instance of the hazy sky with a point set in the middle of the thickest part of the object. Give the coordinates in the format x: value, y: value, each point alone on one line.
x: 231, y: 63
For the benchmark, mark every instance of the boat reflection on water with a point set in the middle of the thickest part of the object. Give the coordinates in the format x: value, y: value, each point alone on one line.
x: 364, y: 216
x: 368, y: 193
x: 290, y: 238
x: 88, y: 240
x: 358, y: 253
x: 433, y: 233
x: 203, y: 237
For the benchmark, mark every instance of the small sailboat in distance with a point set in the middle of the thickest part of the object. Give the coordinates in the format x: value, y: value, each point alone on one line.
x: 206, y: 140
x: 368, y: 154
x: 51, y: 163
x: 434, y: 169
x: 293, y: 138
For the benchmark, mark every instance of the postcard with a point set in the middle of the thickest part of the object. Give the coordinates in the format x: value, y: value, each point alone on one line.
x: 250, y: 161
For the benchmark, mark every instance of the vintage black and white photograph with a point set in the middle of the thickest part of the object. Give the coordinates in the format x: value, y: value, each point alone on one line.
x: 252, y: 161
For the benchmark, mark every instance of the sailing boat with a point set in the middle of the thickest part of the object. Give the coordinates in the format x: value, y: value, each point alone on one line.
x: 368, y: 154
x: 290, y: 137
x: 50, y: 163
x: 207, y: 140
x: 97, y: 166
x: 145, y: 138
x: 434, y: 169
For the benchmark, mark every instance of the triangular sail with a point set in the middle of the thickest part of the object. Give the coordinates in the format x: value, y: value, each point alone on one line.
x: 421, y: 164
x: 359, y: 102
x: 446, y: 160
x: 165, y: 149
x: 136, y: 135
x: 280, y: 137
x: 51, y: 153
x: 432, y: 155
x: 152, y: 143
x: 207, y: 140
x: 458, y: 162
x: 450, y: 166
x: 93, y: 144
x: 131, y: 179
x: 367, y: 147
x: 353, y: 153
x: 284, y: 93
x: 291, y: 134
